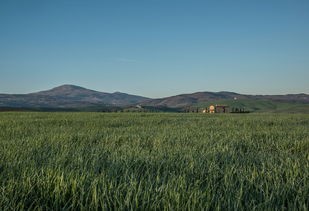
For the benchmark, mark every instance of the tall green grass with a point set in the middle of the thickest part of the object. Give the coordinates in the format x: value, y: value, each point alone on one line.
x: 95, y: 161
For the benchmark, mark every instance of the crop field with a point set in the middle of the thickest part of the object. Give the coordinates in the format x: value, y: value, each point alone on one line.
x: 153, y: 161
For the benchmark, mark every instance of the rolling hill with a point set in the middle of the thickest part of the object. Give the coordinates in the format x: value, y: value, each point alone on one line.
x: 68, y: 96
x: 298, y: 103
x: 199, y: 97
x: 71, y: 97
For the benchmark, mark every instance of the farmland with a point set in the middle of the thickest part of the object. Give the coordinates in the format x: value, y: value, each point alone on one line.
x: 148, y: 161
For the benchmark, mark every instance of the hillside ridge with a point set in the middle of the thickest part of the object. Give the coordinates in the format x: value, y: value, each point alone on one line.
x: 72, y: 96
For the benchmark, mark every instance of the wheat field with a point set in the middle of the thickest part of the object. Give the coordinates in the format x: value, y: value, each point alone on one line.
x: 153, y: 161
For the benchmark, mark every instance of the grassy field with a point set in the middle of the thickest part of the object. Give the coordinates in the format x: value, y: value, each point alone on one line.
x: 141, y: 161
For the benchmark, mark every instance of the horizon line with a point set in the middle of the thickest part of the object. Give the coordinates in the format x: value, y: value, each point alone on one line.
x: 186, y: 93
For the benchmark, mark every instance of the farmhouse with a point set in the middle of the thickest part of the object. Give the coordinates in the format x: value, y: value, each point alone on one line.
x: 221, y: 109
x: 212, y: 109
x: 216, y: 109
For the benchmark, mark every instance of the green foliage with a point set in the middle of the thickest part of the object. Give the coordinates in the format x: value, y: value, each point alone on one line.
x: 257, y: 105
x: 158, y: 161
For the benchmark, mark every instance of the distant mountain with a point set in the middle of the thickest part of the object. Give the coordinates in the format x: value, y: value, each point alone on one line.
x: 202, y: 97
x: 68, y: 96
x: 74, y: 97
x: 184, y: 100
x: 263, y: 103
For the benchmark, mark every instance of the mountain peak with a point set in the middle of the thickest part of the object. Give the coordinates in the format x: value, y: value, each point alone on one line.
x: 71, y: 95
x: 69, y: 87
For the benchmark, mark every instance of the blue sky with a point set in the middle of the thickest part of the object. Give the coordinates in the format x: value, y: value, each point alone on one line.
x: 155, y: 48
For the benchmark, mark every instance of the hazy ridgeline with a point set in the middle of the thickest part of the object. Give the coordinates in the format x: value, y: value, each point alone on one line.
x: 146, y: 161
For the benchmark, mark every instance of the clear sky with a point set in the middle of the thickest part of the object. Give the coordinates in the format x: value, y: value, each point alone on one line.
x: 155, y: 48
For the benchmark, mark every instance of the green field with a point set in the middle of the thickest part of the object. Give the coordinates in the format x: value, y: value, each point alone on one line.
x: 159, y: 161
